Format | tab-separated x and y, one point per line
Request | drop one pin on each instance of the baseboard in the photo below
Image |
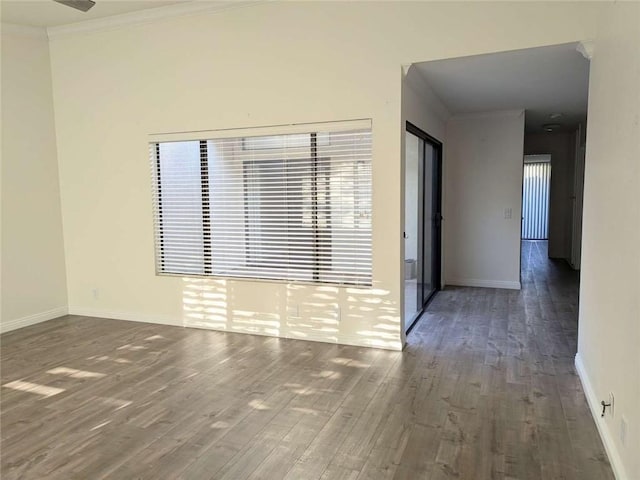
132	317
33	319
340	339
476	282
605	434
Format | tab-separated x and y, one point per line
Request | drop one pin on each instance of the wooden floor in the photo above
485	389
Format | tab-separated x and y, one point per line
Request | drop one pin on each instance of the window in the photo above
293	206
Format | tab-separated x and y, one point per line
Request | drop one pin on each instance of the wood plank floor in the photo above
485	389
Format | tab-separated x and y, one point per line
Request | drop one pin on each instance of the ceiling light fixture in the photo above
550	127
556	116
82	5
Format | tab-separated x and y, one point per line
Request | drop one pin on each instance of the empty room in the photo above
320	240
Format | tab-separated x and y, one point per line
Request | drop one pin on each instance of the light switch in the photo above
507	213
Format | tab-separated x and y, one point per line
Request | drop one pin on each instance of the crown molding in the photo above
147	16
24	30
586	48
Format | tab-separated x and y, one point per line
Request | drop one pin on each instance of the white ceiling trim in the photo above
144	16
586	48
25	30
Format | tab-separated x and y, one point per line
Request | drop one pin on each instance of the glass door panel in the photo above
428	284
413	159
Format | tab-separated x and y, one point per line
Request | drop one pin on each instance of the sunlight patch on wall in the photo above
204	303
336	314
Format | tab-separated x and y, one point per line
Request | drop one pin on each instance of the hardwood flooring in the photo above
486	389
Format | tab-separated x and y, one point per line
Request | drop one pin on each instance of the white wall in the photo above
425	110
269	64
483	178
422	107
33	265
578	195
561	146
609	323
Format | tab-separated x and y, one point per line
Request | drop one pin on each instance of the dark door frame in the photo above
436	218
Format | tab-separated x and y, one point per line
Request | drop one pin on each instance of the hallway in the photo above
504	359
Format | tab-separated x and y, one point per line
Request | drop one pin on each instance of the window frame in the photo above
205	188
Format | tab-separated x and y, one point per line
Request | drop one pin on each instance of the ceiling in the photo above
543	81
47	13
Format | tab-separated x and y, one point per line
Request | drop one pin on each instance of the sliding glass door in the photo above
422	220
413	168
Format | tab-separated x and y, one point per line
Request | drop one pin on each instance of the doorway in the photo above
422	220
536	187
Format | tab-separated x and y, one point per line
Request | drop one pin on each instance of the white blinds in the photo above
535	200
293	206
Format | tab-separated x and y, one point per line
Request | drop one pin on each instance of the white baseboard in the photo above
132	317
33	319
476	282
605	434
340	339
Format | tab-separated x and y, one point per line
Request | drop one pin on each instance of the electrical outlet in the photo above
508	213
613	403
623	431
294	310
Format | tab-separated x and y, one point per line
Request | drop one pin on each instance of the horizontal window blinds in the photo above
294	207
535	201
